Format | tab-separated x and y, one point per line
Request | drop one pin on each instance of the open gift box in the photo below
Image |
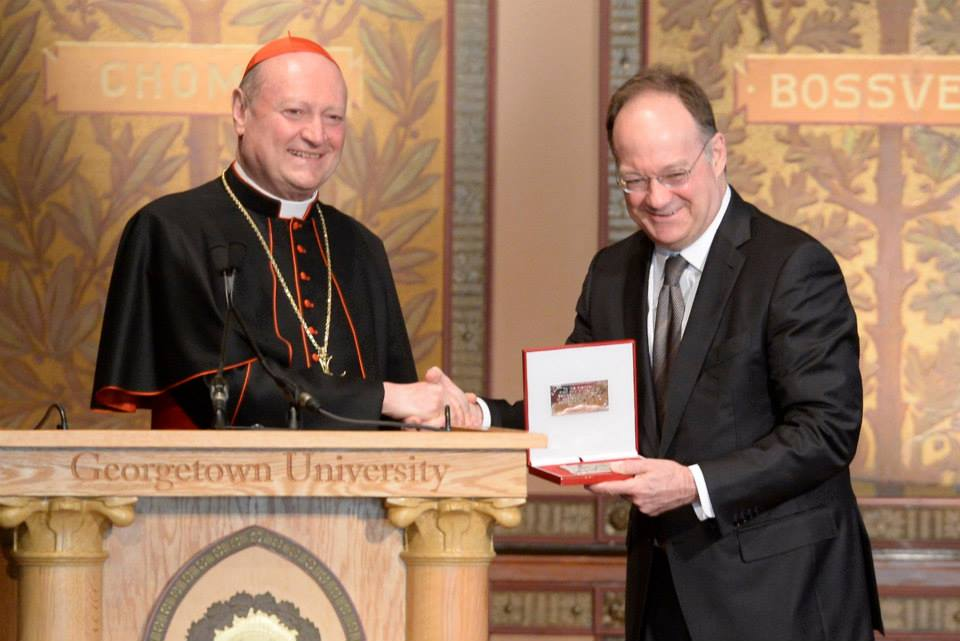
584	398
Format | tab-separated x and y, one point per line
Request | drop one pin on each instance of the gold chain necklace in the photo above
322	356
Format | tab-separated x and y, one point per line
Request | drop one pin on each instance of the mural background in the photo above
883	197
70	179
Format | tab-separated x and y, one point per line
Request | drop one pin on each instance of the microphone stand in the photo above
219	390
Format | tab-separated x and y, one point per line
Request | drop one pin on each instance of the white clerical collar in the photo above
696	252
288	208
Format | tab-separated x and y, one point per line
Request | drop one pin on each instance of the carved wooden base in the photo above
58	554
448	546
58	548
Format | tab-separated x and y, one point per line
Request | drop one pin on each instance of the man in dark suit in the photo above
744	524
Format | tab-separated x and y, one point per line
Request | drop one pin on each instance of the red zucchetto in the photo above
286	44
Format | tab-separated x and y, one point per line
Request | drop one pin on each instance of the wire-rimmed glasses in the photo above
673	180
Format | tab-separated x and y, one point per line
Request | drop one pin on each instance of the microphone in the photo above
307	401
61	410
235	254
226	259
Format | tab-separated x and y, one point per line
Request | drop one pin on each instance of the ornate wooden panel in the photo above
569	552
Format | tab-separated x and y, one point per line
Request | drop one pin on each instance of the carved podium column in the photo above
448	546
58	548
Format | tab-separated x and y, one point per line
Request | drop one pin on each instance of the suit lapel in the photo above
720	273
635	324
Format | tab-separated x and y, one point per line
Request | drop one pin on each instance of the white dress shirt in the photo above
696	255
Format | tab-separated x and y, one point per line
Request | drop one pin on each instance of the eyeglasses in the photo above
673	180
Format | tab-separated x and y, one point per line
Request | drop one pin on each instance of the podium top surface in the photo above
267	439
279	463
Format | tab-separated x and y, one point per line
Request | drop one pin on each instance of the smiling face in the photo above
291	128
655	135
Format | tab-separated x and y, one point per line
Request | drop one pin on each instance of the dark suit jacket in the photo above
765	395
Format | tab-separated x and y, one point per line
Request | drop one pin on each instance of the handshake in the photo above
423	402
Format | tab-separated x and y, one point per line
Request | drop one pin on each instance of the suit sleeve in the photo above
814	388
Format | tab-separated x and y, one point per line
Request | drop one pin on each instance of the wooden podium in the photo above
367	536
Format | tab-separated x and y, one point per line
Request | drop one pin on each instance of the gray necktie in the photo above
666	331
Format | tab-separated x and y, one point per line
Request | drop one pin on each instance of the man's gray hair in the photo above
250	86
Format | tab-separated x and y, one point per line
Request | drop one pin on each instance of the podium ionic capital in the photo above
62	529
451	529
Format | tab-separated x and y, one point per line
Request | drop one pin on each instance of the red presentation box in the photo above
584	398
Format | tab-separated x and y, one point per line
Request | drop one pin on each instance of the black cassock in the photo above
166	308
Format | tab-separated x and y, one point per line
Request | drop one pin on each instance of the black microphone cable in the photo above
304	399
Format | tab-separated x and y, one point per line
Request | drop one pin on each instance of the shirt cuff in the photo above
485	425
702	507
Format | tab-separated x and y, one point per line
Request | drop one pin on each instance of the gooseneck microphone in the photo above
226	260
61	410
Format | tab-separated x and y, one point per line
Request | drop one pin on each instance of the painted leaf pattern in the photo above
940	30
138	17
14	45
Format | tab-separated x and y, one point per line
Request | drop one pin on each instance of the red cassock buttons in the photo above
297	224
301	249
308	303
304	276
313	330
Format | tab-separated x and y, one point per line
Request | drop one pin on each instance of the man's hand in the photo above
464	411
657	486
402	400
423	403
